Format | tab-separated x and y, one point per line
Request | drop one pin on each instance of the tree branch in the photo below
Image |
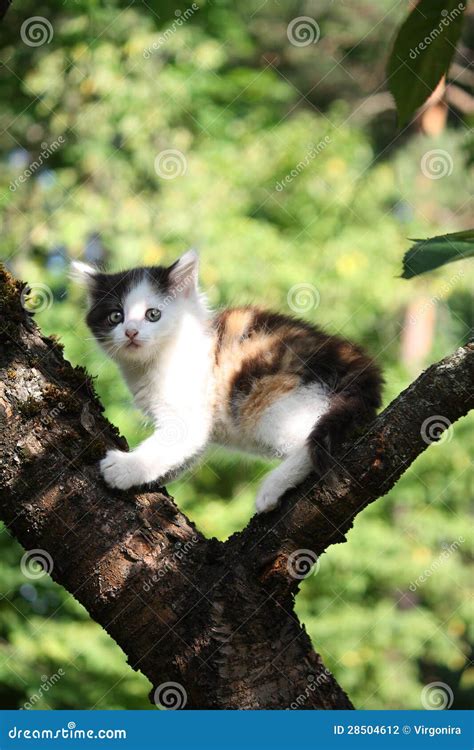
215	617
318	515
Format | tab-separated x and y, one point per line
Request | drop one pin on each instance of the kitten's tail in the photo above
354	403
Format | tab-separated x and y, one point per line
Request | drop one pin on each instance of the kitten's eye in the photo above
114	318
153	314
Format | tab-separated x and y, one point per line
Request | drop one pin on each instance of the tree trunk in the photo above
210	623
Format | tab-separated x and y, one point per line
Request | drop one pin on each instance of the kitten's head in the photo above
134	313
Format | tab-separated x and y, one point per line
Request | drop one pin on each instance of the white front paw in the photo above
122	470
268	497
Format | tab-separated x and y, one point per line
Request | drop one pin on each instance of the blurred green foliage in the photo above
244	107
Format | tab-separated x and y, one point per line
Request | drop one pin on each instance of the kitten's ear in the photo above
183	274
82	274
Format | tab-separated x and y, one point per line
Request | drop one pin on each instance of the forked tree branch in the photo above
216	618
316	516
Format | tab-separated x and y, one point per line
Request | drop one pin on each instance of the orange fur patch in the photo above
265	391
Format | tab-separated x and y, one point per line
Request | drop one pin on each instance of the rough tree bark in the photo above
216	618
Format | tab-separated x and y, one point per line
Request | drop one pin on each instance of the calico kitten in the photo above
245	378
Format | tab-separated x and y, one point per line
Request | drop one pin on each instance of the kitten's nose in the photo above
131	333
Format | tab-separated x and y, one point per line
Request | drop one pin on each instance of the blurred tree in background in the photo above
130	132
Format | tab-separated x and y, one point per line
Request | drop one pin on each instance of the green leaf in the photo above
425	255
422	52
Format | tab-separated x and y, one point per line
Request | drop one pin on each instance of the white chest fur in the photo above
180	379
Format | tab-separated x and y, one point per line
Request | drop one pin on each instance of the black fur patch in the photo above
108	291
